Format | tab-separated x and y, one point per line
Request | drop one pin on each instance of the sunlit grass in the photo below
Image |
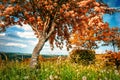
57	70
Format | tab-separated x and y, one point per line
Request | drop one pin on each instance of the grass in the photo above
57	70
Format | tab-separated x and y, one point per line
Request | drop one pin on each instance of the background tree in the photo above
52	20
112	37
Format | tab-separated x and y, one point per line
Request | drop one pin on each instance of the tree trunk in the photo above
35	54
113	44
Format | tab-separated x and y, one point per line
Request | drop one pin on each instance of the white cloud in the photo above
2	34
4	38
26	27
16	45
56	51
32	42
26	34
99	51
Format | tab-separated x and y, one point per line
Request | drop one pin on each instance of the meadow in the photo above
57	70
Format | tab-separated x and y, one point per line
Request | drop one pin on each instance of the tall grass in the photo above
56	70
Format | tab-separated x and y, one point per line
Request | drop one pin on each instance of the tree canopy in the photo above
66	16
56	20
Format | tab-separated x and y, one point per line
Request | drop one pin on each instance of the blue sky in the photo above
22	39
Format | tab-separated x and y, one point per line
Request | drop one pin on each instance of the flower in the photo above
56	77
106	78
84	78
116	72
51	77
26	77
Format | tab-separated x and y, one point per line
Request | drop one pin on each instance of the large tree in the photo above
52	20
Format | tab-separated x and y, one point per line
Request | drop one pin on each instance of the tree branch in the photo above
51	30
111	10
46	24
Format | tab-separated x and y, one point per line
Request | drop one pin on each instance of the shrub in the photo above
82	56
112	59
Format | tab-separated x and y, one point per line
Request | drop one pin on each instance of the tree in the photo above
91	35
52	20
115	38
112	37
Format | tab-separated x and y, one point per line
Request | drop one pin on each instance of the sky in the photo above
22	39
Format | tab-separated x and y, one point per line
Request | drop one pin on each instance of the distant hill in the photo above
13	56
21	56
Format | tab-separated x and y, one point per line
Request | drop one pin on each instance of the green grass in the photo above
56	70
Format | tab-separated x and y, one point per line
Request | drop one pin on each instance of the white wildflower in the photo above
26	77
51	77
116	72
84	78
106	78
56	77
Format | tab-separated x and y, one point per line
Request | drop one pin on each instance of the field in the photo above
57	69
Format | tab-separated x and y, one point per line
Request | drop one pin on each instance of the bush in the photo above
82	56
112	59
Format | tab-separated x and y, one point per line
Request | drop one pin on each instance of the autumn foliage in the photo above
112	37
57	20
112	59
83	17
